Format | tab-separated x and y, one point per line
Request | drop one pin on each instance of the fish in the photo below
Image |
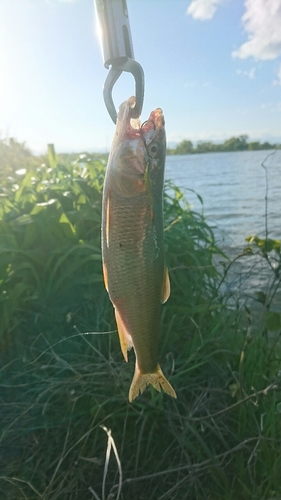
134	268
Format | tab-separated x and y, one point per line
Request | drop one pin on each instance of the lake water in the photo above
233	188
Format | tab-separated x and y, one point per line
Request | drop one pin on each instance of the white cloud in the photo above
203	9
250	74
262	23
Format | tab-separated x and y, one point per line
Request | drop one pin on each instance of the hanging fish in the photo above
134	269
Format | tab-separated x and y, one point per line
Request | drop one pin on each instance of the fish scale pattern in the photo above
136	268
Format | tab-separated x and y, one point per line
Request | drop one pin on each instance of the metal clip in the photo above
117	49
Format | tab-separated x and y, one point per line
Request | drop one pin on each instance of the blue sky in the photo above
213	66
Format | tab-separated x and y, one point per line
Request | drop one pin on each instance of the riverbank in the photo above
239	143
68	430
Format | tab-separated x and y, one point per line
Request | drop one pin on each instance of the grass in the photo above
67	430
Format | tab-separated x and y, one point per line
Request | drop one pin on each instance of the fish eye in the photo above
153	149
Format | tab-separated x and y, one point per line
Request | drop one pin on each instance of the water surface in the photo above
233	187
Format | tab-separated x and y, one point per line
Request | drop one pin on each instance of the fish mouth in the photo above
155	121
131	127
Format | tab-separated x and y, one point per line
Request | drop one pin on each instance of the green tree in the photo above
236	143
254	145
267	145
184	148
206	147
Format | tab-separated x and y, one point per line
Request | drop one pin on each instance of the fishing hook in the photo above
117	50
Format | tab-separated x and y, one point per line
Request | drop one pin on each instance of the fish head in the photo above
154	138
138	152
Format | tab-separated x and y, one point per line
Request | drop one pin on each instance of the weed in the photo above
67	428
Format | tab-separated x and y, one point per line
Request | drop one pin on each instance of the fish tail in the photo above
156	379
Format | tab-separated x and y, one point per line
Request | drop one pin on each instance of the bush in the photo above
68	431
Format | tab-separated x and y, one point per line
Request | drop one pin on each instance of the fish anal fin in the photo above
166	288
156	379
125	338
105	276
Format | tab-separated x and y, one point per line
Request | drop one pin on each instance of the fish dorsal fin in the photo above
166	289
125	338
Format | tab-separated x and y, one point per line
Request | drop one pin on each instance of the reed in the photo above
67	429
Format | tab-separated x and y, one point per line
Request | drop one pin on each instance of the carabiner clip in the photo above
133	67
117	49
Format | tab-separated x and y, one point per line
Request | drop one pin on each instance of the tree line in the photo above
239	143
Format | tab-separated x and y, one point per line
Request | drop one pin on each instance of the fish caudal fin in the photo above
156	379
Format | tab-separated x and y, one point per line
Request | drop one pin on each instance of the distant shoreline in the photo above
169	152
239	143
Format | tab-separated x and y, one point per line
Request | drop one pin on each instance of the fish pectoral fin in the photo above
105	276
125	338
166	288
156	379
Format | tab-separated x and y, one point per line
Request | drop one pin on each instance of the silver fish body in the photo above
134	267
